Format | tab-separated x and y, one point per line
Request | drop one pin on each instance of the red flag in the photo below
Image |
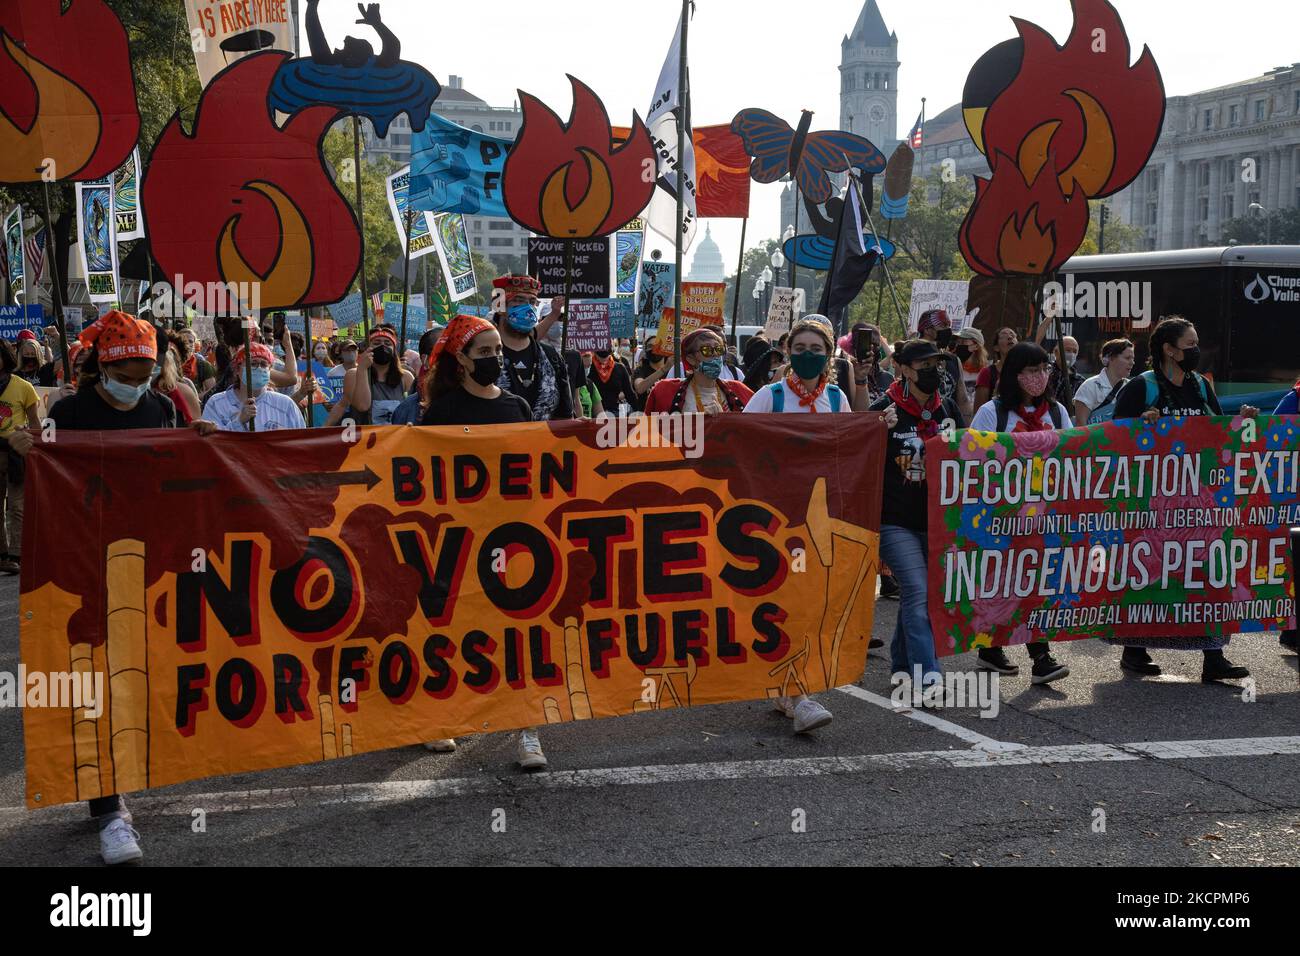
721	170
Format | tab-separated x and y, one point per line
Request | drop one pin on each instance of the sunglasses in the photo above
712	351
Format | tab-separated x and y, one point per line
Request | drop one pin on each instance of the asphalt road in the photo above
1100	769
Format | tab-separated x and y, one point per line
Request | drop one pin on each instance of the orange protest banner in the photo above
261	601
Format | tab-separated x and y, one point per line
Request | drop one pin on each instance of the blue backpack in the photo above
1153	389
833	395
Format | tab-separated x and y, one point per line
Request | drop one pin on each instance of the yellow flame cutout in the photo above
67	138
585	219
290	275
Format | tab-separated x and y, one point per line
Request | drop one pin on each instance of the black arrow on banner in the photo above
330	479
605	469
180	486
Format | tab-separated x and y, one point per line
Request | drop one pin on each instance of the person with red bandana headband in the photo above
113	393
703	390
935	326
267	409
533	370
463	390
919	413
373	390
1024	405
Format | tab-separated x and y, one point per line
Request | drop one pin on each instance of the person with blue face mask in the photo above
703	390
263	410
532	369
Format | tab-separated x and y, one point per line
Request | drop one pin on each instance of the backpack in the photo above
1106	410
1153	389
833	395
1004	414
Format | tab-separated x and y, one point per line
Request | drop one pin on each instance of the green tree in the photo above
1278	228
383	245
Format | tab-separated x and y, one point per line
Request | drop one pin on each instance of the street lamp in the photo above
1268	223
789	234
758	294
768	277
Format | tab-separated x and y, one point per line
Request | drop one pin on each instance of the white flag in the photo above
668	102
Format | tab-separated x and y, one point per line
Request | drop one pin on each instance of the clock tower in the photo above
869	80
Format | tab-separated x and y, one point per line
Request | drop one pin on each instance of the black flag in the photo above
852	262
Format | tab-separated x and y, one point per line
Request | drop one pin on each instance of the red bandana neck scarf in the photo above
927	418
807	399
1031	419
604	367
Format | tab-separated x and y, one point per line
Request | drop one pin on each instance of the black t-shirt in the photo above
459	407
620	383
522	366
905	502
87	411
1184	400
950	377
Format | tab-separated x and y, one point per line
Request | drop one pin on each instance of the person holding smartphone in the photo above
870	379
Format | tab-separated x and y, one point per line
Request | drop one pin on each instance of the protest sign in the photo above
628	245
420	235
781	313
347	313
656	292
433	582
705	299
454	169
589	325
665	335
223	31
97	234
949	295
622	319
454	255
126	199
590	267
14	266
1180	528
15	318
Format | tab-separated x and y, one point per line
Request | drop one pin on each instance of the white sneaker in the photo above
446	745
782	705
530	751
809	715
119	843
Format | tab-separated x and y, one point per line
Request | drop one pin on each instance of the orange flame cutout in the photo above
571	181
1019	229
67	93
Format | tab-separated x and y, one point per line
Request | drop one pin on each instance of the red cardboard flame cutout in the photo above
1014	229
569	181
1080	110
67	93
241	201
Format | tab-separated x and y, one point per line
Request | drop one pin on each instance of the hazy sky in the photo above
785	56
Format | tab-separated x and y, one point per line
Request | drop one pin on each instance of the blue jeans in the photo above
904	551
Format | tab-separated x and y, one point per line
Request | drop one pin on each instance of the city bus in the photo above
1244	301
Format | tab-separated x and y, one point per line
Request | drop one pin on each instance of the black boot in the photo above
1289	640
1137	660
1217	668
995	659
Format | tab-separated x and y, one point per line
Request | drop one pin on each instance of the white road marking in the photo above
924	717
397	791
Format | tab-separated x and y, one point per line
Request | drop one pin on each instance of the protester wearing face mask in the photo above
612	382
533	370
1173	387
935	326
30	358
866	352
1024	405
762	364
113	393
1094	401
463	389
173	384
373	390
809	386
919	413
986	386
194	366
1069	381
233	409
703	391
968	346
651	369
344	352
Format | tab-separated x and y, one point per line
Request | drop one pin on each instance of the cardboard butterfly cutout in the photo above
572	180
354	79
67	93
1060	125
240	200
778	150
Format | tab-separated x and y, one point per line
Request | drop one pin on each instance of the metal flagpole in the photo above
884	262
735	305
361	222
568	296
406	274
682	94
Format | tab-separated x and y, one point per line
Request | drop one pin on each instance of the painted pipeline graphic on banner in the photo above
337	598
454	169
1176	529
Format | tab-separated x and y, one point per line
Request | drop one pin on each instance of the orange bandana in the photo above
807	399
260	351
604	367
119	336
458	334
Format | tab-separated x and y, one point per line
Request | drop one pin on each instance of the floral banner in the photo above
1176	529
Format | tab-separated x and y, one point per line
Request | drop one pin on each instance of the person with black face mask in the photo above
934	326
462	389
1173	387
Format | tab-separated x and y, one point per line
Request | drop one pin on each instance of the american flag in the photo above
916	138
35	246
